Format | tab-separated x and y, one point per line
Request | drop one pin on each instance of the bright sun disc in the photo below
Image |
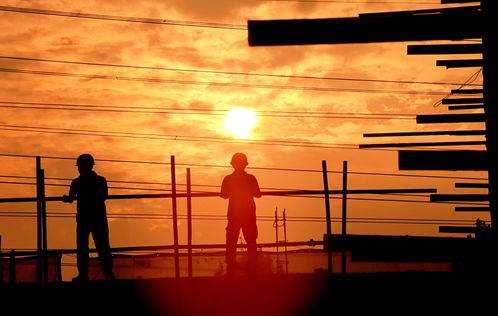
240	122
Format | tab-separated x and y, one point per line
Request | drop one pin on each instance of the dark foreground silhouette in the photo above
416	293
90	191
240	188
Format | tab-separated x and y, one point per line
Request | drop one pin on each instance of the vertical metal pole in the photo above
276	236
43	203
344	211
59	265
12	267
189	222
175	219
327	213
285	247
39	226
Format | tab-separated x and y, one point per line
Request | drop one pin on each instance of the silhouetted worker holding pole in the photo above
240	188
90	190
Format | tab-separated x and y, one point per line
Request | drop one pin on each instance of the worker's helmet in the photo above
85	160
239	158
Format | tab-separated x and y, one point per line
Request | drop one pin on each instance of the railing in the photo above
42	247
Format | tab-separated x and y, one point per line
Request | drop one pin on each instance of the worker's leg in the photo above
232	234
250	231
82	238
100	235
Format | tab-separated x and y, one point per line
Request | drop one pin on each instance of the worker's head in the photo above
239	161
85	163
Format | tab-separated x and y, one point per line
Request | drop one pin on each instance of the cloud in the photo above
217	9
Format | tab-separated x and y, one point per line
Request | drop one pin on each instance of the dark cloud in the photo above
65	41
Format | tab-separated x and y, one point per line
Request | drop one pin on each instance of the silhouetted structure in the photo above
419	25
240	188
90	190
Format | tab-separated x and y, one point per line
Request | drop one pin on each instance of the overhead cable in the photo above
117	18
219	83
241	73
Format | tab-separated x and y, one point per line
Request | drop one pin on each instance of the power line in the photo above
105	17
201	111
170	137
116	181
224	140
224	111
217	186
67	185
110	181
220	84
155	216
240	73
153	183
352	221
298	195
467	82
167	190
249	167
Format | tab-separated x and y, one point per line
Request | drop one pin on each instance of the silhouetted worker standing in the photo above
90	190
240	188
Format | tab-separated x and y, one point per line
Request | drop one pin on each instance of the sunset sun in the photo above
240	122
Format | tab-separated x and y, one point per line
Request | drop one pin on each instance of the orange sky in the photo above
210	49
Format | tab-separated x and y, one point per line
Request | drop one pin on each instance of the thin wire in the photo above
468	82
195	139
223	215
361	116
350	221
203	111
249	167
221	72
94	16
160	183
218	84
113	181
100	133
165	184
172	137
259	217
299	196
377	199
67	185
167	190
261	220
118	181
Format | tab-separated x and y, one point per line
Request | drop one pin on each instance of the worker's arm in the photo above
224	189
257	191
72	194
103	192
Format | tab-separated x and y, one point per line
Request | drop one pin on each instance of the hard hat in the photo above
85	159
239	158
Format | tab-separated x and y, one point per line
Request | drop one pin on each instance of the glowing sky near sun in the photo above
240	122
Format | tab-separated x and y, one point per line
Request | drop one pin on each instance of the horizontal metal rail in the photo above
310	243
217	194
